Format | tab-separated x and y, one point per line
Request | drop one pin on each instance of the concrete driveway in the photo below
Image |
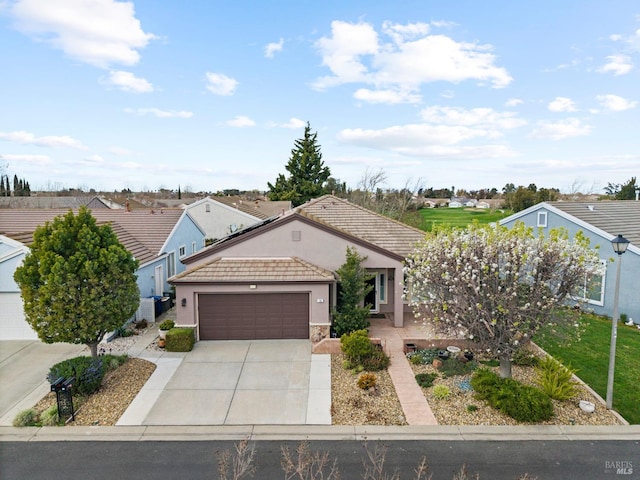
24	365
236	383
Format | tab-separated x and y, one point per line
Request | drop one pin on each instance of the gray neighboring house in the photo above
600	221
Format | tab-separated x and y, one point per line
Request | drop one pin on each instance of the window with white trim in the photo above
193	247
592	289
182	251
542	219
382	287
171	264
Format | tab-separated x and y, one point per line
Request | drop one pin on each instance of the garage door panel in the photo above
253	316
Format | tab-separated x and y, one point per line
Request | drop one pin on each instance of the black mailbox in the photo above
62	386
56	385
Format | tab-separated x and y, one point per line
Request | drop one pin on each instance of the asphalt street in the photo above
157	460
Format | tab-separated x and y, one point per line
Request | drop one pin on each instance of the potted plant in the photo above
164	326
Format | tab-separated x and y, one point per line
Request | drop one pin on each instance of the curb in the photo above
321	432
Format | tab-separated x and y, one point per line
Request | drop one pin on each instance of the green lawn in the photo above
460	217
590	356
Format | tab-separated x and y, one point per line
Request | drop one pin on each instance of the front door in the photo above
372	296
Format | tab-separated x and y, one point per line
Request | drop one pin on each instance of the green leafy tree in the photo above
495	285
624	191
78	282
350	313
307	173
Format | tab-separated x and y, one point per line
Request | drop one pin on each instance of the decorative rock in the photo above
437	363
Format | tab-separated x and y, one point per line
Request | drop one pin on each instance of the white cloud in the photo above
271	48
486	118
513	102
221	84
241	121
571	127
616	103
401	33
293	123
423	140
27	138
412	137
159	113
119	151
386	96
562	104
97	32
37	160
342	51
128	82
355	54
617	64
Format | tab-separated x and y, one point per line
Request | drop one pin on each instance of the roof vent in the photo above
591	208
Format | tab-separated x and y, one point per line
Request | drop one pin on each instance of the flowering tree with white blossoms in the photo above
497	286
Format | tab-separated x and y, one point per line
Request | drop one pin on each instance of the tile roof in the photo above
613	217
289	269
140	231
258	208
50	202
359	222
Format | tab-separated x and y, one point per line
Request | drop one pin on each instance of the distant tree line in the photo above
21	187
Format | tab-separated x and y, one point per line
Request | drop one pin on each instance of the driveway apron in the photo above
24	365
238	383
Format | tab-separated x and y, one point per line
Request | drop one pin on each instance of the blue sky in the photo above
211	95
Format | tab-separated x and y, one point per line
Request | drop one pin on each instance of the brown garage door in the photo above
253	316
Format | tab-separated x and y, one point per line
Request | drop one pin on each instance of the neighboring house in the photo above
13	324
483	205
276	279
93	202
219	220
157	240
600	222
257	208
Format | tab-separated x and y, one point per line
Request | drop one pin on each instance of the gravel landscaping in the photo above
350	405
461	408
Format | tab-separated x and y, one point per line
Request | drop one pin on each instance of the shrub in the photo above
111	362
141	324
484	381
441	391
356	346
524	358
49	417
555	379
180	340
472	408
377	361
524	402
26	418
367	381
88	373
423	356
521	402
167	324
452	367
425	380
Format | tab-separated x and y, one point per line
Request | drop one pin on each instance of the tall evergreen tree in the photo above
307	173
78	282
